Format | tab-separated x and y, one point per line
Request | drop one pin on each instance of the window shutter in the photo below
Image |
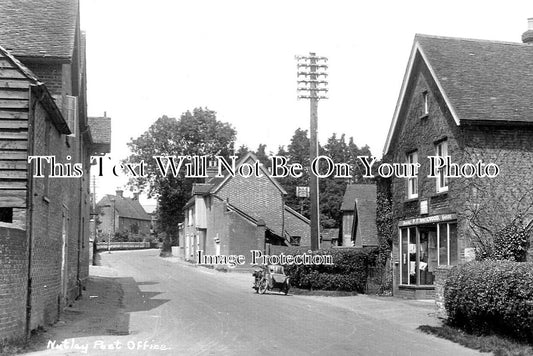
70	110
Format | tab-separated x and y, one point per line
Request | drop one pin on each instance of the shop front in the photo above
424	244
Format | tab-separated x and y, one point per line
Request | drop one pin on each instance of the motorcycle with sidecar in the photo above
270	277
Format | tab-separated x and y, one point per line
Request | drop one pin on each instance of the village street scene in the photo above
229	178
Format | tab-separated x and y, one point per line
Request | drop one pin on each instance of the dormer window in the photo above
425	100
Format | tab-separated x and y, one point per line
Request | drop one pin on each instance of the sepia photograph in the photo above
266	178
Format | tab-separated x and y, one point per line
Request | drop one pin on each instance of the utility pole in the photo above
313	87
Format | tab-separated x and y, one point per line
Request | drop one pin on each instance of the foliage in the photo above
196	134
512	242
331	188
125	236
499	212
384	224
349	271
492	296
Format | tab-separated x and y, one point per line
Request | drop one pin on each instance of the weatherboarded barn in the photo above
43	220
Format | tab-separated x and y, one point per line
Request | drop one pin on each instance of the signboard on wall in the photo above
428	220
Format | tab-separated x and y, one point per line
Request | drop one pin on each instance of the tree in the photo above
196	133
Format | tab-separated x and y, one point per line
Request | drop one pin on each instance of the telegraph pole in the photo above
313	87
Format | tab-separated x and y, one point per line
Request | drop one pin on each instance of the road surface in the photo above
188	310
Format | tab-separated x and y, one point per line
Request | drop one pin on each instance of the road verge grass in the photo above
498	345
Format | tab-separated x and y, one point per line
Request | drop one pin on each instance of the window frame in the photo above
442	182
412	182
407	235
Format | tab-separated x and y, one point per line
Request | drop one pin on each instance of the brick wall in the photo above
50	74
60	226
257	196
298	227
13	282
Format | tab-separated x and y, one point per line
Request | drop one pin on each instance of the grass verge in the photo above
498	345
322	293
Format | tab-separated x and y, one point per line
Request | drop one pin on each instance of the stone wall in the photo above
441	275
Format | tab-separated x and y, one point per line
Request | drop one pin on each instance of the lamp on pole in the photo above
313	86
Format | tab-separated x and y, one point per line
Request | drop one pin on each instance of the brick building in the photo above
233	215
125	215
359	216
470	100
44	220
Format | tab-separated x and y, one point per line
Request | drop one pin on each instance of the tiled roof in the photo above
125	207
362	197
43	28
484	80
362	192
201	188
100	129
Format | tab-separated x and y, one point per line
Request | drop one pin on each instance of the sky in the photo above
146	59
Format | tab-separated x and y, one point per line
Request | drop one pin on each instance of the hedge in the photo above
349	271
492	296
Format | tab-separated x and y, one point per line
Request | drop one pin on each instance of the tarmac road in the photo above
188	310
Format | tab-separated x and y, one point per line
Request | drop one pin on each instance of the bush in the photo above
349	271
492	296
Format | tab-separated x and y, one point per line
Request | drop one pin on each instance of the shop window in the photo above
442	181
423	248
412	182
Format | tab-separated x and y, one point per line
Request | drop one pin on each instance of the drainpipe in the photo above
29	209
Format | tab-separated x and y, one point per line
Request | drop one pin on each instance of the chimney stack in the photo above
527	37
120	193
211	170
136	196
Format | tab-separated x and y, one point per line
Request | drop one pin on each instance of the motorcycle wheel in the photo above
286	288
263	286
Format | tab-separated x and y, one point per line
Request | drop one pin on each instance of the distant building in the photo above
124	215
44	221
233	215
359	216
329	238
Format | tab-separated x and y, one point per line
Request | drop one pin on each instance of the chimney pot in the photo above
120	193
527	37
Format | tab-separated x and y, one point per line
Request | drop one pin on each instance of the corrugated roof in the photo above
43	28
484	80
100	129
125	207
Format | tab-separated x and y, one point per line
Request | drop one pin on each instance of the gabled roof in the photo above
125	207
42	29
219	182
361	199
361	192
481	81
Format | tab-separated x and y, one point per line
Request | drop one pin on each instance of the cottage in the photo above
233	215
359	216
119	214
469	100
44	231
